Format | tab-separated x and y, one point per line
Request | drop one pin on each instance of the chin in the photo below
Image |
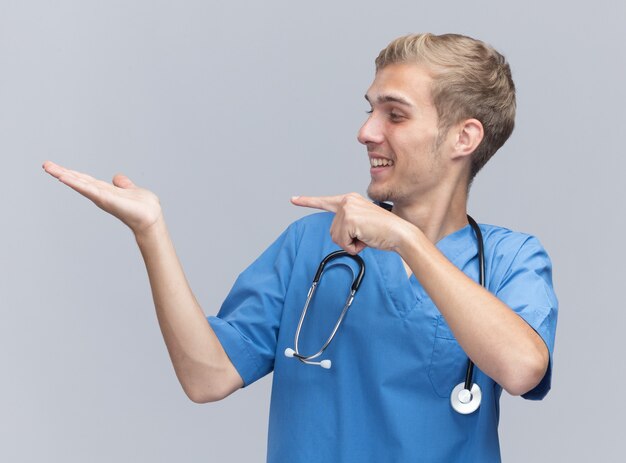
380	195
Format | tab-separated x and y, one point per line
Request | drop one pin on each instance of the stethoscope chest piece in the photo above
464	401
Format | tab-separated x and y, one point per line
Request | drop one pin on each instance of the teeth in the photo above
379	162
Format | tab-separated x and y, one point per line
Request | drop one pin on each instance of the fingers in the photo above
83	186
342	230
345	235
326	203
53	169
122	181
350	245
79	181
57	171
356	247
358	223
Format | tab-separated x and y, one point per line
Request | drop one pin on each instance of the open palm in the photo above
136	207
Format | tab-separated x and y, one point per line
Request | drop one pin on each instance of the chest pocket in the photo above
448	362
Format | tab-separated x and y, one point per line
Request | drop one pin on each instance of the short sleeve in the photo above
527	288
247	323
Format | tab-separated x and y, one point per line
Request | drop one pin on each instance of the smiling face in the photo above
402	136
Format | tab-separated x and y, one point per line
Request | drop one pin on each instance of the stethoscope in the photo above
465	397
309	359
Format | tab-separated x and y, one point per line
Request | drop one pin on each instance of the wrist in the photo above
151	234
406	237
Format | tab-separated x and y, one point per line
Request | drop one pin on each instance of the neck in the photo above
438	214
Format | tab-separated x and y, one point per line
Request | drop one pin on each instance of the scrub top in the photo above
394	359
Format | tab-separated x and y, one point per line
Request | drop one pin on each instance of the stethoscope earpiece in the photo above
326	364
308	359
464	401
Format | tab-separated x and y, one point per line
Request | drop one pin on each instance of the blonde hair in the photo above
470	80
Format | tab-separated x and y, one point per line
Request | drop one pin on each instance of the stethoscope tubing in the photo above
469	375
353	289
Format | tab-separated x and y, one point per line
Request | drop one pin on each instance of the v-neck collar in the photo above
406	292
456	243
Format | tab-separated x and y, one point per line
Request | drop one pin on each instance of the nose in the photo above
371	131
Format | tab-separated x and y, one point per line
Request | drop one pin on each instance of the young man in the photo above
441	106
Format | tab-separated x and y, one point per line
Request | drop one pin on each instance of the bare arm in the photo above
202	367
497	340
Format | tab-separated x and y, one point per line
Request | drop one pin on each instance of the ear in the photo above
469	134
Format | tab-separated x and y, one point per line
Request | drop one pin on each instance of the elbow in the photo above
197	398
204	383
202	397
526	374
205	394
210	386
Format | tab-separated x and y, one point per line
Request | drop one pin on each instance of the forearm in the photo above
202	367
499	341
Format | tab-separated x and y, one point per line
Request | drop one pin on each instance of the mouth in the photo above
379	167
380	162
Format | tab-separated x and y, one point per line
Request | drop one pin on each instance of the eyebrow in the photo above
390	99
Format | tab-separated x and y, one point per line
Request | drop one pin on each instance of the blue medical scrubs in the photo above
394	360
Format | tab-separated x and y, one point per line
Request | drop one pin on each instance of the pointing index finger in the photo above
325	203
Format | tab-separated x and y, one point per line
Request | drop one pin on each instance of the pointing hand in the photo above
358	222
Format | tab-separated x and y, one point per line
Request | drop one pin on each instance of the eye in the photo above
369	111
395	117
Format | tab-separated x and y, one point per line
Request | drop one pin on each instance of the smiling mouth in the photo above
380	162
